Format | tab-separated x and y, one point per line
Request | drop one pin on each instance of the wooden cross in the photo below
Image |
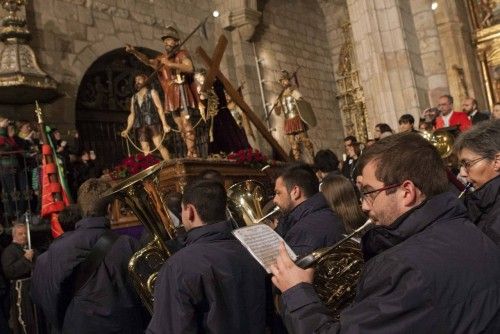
214	71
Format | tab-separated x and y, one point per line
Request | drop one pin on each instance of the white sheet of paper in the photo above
263	244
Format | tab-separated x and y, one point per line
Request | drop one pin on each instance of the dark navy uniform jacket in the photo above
107	303
212	285
484	208
311	225
431	271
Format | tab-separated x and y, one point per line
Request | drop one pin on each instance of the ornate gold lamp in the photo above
22	81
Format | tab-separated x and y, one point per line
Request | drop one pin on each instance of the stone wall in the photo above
69	35
405	51
293	33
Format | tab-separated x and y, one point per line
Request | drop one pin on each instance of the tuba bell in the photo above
442	140
140	193
246	200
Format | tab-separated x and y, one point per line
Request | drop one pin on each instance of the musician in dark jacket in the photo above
212	285
17	263
479	153
106	302
308	222
428	269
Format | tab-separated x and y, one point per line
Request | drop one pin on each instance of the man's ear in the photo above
496	163
190	212
411	195
296	193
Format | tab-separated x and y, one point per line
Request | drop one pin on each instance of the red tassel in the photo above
55	226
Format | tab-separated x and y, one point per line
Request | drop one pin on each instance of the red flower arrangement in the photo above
133	165
248	156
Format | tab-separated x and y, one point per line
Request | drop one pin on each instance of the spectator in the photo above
17	263
352	152
495	114
406	123
325	162
426	126
430	114
469	106
382	130
449	117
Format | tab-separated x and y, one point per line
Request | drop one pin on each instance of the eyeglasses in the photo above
369	196
467	164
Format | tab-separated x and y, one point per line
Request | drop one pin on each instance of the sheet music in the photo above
262	243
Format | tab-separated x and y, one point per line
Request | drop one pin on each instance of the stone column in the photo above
459	57
430	49
387	50
240	17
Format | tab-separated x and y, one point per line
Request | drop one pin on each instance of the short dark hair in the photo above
301	175
407	119
211	174
209	199
383	127
449	97
92	198
326	161
407	156
351	138
483	139
69	216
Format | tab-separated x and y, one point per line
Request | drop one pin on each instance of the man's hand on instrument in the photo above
28	254
286	274
124	133
166	128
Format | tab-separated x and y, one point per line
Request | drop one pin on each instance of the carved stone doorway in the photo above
102	104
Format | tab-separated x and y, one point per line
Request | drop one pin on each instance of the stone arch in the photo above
102	102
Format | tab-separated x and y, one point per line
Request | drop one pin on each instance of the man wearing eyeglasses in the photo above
479	154
428	268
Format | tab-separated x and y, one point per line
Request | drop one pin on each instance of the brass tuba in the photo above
442	140
140	193
246	202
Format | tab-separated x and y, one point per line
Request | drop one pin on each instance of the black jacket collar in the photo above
485	196
312	204
440	207
216	231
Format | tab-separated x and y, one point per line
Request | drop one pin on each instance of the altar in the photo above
178	172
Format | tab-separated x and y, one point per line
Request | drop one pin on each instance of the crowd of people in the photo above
20	162
432	262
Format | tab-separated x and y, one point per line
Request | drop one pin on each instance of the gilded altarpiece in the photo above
349	91
485	19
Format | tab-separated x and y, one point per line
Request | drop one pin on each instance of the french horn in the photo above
337	270
140	193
